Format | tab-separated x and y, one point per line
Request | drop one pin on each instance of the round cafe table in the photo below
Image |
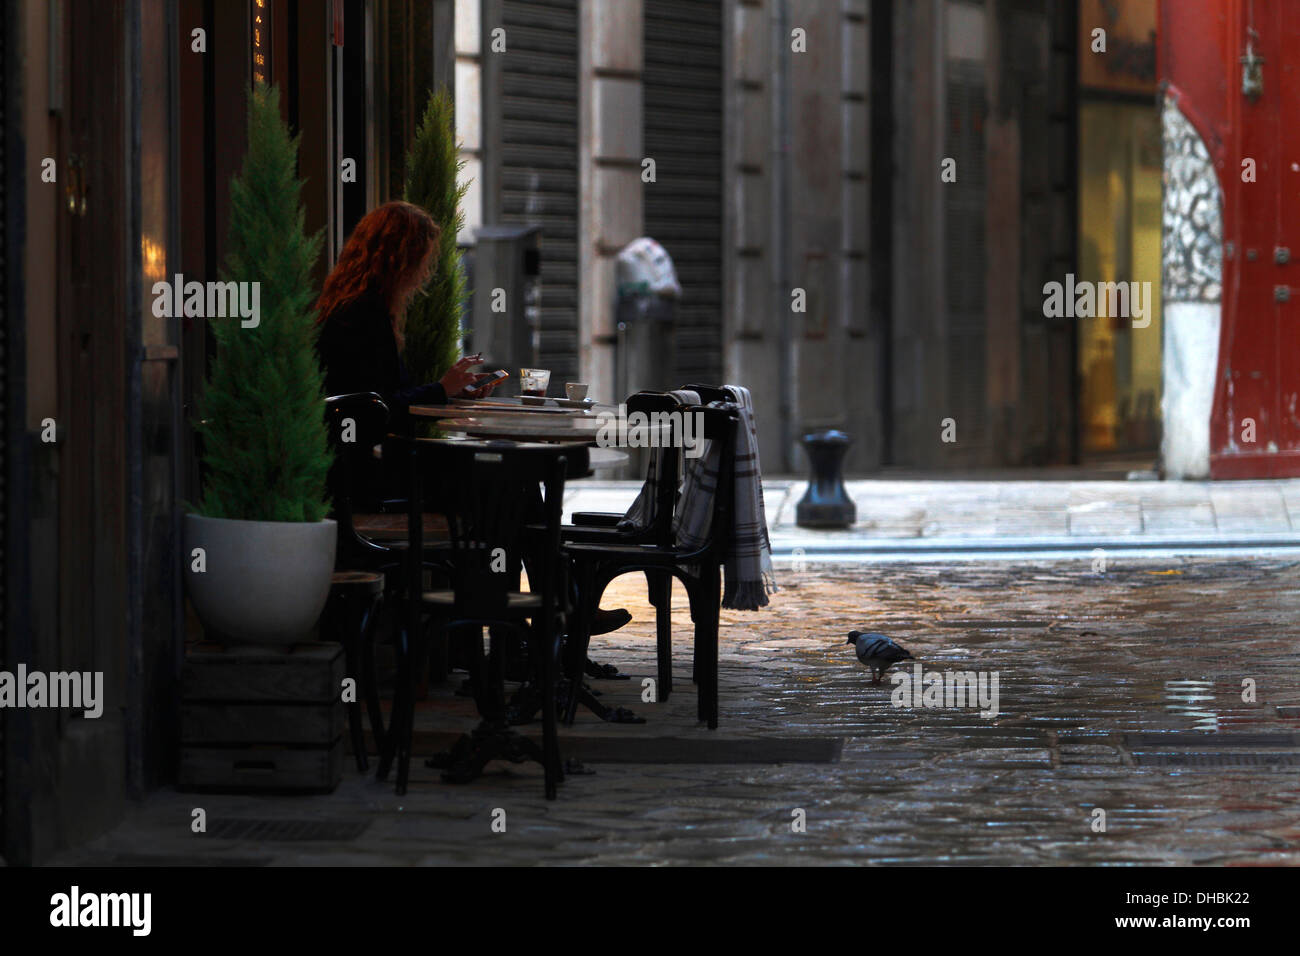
525	423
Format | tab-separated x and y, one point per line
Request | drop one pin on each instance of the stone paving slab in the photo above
1095	670
1162	518
1033	513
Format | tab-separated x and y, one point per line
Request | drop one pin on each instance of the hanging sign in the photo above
261	37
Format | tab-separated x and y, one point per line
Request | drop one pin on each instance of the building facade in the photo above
123	124
864	199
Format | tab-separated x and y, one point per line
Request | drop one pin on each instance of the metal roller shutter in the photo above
967	261
682	108
539	159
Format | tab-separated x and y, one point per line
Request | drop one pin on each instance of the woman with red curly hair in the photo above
362	312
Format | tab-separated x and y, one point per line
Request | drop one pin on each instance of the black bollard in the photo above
826	504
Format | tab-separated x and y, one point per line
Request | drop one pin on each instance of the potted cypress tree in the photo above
259	546
433	165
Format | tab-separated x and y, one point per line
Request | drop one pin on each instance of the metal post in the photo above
826	504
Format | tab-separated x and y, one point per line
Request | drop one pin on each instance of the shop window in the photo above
1119	242
1119	164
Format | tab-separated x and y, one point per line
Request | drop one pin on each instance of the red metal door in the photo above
1287	226
1254	428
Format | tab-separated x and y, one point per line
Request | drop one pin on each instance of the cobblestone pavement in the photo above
1120	691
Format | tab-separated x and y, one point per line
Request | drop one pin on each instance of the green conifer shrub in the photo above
433	165
266	446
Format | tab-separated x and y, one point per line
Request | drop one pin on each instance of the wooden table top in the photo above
462	407
518	428
512	420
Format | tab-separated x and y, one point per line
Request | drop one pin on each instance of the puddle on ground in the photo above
1191	699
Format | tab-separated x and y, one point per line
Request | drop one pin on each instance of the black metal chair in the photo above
350	615
595	564
598	527
356	422
488	493
659	584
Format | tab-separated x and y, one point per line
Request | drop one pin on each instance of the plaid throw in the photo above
641	515
748	565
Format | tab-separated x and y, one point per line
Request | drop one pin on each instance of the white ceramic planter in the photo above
265	582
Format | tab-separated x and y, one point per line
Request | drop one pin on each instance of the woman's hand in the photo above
459	377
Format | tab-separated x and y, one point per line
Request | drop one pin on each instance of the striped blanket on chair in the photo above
748	565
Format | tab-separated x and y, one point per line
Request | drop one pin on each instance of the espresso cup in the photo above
575	391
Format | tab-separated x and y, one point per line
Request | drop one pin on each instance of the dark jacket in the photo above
358	351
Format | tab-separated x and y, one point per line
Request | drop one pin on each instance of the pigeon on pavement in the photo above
877	652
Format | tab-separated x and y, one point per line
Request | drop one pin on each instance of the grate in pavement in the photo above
184	859
988	625
656	750
1201	739
1215	760
713	750
287	830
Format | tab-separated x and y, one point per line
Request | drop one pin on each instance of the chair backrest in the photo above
489	492
665	464
719	423
712	393
357	422
721	393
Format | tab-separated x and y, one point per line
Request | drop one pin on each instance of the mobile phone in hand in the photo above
496	377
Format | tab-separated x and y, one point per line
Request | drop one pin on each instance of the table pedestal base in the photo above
465	761
473	751
527	701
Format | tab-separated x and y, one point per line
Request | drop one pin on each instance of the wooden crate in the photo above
261	768
262	720
305	673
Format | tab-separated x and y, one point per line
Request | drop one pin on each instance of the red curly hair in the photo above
393	247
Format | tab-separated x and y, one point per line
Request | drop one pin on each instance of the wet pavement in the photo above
1119	692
